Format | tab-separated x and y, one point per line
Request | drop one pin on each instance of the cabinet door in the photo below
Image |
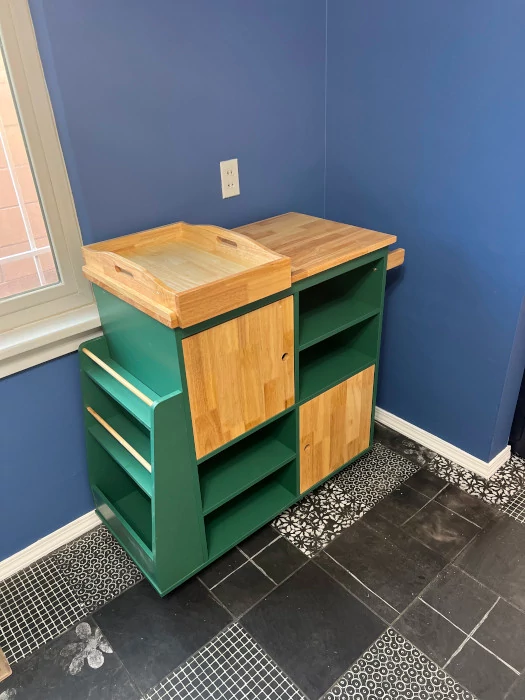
239	374
334	427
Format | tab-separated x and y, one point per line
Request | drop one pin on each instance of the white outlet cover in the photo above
230	178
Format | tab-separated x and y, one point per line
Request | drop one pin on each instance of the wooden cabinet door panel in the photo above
334	427
239	374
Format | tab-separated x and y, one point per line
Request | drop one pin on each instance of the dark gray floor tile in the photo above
482	673
152	635
243	588
313	628
391	564
503	632
459	598
280	559
470	507
430	632
426	482
497	559
258	540
400	505
222	567
441	529
365	595
80	664
409	449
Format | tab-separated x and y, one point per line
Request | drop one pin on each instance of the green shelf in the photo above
248	512
331	361
339	303
232	472
322	322
141	476
134	511
118	392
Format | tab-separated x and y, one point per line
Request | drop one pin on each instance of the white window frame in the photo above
48	321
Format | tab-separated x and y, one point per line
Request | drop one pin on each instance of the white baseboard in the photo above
442	447
47	544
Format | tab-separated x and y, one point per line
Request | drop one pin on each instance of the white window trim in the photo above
51	321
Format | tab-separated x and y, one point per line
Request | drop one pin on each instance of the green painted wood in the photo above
248	462
338	303
134	469
382	264
140	344
331	361
126	398
179	543
239	518
190	513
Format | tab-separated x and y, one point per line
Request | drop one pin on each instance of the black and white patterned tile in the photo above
501	489
232	665
96	568
319	517
36	605
392	668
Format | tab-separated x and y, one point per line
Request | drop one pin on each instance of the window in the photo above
43	295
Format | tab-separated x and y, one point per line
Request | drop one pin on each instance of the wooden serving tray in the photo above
183	274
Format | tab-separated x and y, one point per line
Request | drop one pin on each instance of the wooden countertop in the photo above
314	244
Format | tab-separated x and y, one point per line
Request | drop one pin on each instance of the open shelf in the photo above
341	302
119	393
136	438
237	519
252	459
115	487
333	360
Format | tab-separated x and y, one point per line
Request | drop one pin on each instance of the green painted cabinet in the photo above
176	502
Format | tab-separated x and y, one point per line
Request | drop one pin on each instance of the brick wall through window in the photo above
26	260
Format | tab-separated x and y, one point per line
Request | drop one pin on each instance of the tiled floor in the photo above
401	577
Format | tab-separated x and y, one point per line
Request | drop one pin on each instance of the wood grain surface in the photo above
239	374
334	427
314	244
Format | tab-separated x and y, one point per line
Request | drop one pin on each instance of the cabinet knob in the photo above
306	448
284	356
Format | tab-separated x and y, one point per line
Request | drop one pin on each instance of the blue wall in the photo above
426	111
148	98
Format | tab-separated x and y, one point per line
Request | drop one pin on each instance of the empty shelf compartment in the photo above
248	512
248	461
329	362
339	303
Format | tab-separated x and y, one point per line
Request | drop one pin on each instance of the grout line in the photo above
359	581
443	616
470	635
231	572
426	504
497	657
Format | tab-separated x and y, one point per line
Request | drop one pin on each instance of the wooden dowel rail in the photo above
117	376
119	439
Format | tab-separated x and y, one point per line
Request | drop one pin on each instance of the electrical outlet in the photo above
230	178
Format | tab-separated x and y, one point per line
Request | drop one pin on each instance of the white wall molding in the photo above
442	447
47	544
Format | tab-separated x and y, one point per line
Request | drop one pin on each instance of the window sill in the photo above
53	337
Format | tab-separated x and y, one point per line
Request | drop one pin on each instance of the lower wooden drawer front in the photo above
335	427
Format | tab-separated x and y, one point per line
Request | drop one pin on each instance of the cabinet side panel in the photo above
240	374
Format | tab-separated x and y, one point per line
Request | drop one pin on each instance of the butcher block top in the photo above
314	244
182	274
